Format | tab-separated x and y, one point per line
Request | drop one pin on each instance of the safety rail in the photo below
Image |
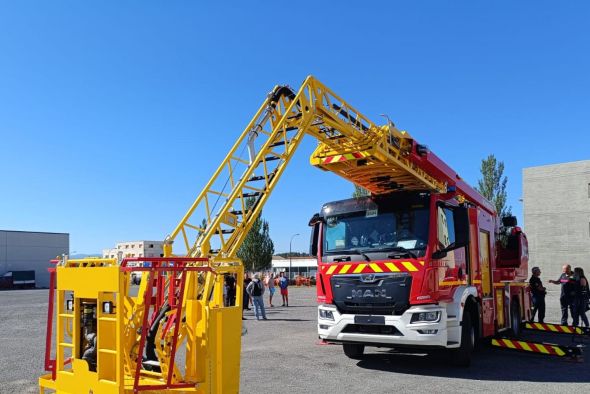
49	362
172	291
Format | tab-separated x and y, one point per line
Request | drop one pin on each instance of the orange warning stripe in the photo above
370	267
554	328
532	347
344	157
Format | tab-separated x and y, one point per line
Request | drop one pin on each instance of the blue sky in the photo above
114	115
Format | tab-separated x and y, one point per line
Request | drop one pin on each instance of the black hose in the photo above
150	340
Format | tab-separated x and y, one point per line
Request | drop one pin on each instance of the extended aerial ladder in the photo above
136	339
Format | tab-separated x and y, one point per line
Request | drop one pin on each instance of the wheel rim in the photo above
515	318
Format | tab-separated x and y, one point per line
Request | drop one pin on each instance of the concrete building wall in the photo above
556	206
24	250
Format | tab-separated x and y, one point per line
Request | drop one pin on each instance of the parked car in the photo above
18	280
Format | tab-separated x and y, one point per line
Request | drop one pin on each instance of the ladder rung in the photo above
108	351
256	178
64	344
272	158
279	143
354	121
107	319
380	178
66	315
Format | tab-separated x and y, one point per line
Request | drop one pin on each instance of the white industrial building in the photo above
31	250
305	266
135	249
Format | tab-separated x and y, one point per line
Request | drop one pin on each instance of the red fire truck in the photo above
419	269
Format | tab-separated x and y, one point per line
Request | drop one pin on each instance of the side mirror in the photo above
315	222
461	225
316	218
439	254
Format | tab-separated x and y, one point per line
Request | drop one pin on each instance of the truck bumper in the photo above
396	330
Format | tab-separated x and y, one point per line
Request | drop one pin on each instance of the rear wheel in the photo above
353	350
515	318
462	355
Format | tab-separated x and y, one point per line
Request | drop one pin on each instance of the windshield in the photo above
371	230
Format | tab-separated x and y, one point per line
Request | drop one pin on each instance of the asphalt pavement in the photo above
283	355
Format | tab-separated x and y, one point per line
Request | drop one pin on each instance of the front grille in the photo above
387	308
377	294
371	329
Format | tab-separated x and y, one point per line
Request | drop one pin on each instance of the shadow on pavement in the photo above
487	364
274	319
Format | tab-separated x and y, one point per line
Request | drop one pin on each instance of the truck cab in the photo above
403	270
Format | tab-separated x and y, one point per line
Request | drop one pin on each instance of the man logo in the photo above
369	293
368	278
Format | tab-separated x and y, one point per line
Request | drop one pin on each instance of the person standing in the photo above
246	300
284	285
538	292
270	283
581	301
230	290
256	291
568	292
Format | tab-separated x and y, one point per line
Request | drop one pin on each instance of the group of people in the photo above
574	298
254	290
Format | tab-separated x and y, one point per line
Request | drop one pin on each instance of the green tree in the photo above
203	226
257	249
493	184
360	191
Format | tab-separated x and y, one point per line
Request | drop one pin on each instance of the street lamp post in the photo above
291	242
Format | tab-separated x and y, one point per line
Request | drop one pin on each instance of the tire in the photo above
515	319
461	356
353	350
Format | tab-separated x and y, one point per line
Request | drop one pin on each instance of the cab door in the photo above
483	228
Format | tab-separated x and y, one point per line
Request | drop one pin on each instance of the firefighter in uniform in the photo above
538	292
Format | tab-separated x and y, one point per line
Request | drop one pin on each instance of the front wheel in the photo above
353	350
461	356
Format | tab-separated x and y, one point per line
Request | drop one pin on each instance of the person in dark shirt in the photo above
230	286
581	301
568	292
246	303
538	292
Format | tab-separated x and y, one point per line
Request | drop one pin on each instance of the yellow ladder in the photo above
350	145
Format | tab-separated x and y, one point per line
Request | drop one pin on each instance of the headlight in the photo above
326	314
425	317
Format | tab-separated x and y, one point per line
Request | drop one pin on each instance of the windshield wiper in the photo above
400	249
354	251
